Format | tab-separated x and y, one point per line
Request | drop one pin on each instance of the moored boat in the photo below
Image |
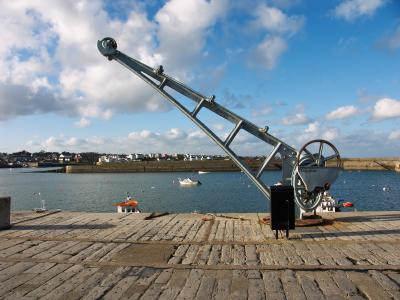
129	205
188	182
203	172
330	204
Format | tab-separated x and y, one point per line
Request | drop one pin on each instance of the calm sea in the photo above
220	192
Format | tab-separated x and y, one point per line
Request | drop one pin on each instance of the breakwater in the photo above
376	164
167	166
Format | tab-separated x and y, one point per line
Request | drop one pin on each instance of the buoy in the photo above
384	188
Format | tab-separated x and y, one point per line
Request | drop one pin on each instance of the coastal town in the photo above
52	159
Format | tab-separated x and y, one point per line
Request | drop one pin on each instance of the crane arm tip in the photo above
107	47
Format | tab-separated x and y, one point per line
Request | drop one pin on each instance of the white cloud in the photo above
17	100
175	134
330	134
51	45
342	112
219	127
145	141
183	28
386	108
395	135
392	42
315	130
279	27
285	3
268	52
352	9
73	144
296	119
276	21
261	111
83	122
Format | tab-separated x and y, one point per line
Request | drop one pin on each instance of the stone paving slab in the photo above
73	255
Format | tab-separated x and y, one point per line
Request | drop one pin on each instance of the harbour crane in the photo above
309	172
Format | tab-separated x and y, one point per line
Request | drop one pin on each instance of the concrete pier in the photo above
73	255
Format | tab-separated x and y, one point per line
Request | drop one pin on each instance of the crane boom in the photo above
158	80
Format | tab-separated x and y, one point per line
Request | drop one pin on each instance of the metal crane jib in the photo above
311	170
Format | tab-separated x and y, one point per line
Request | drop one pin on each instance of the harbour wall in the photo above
167	166
392	164
220	166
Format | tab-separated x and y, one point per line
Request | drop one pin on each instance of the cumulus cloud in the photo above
395	135
285	3
82	123
261	111
315	130
342	112
366	139
73	144
392	41
219	127
353	9
16	99
276	21
181	35
386	108
269	51
172	140
51	46
279	27
232	100
296	119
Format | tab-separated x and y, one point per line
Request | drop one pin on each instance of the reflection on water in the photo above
219	192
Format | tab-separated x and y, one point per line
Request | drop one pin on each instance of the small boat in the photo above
188	182
330	204
43	202
130	205
203	172
41	209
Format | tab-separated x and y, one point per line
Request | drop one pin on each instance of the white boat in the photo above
43	202
203	172
130	205
330	204
188	182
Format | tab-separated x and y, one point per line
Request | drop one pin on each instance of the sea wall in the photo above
166	166
221	166
372	164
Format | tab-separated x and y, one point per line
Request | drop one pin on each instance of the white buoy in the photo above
384	188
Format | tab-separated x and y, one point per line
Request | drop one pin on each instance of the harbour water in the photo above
219	192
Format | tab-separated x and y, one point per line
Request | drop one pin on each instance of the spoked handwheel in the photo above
316	153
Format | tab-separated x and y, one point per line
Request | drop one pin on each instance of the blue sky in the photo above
306	69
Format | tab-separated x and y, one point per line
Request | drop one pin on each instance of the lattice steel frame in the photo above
158	80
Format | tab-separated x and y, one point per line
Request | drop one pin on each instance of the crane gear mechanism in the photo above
309	173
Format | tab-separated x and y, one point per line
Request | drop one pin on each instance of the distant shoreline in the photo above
392	164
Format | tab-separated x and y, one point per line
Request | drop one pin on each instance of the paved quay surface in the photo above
73	255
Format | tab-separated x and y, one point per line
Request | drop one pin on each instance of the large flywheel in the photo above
317	166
